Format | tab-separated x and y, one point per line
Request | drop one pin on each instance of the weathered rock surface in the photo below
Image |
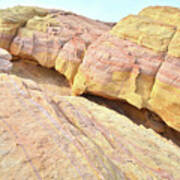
137	61
5	64
45	136
58	40
134	61
12	19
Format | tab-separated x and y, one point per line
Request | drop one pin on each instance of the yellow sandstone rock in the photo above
137	61
166	91
163	14
145	32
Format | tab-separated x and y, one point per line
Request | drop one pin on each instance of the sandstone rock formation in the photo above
132	62
47	136
52	82
48	80
58	40
137	61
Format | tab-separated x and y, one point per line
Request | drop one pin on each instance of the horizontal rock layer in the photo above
137	61
45	136
57	40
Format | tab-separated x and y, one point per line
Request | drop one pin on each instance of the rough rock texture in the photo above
45	136
12	19
58	40
137	61
5	64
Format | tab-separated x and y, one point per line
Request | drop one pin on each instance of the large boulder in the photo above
46	136
57	40
137	61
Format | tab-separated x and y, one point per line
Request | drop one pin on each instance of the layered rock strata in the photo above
57	40
52	83
45	136
137	61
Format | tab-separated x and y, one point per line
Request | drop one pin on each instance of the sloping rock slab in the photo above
53	137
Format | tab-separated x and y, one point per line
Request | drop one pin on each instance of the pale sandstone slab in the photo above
50	137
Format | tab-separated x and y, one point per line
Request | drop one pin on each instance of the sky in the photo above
105	10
